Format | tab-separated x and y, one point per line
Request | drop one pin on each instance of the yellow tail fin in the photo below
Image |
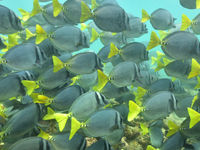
40	34
36	8
57	8
102	81
144	128
153	60
49	115
25	15
173	128
149	147
94	4
84	26
160	66
42	99
159	55
113	50
57	64
145	16
194	100
195	69
197	4
44	135
75	79
85	12
194	117
75	126
154	41
198	83
139	95
186	22
12	40
30	86
134	110
162	34
29	34
167	61
95	35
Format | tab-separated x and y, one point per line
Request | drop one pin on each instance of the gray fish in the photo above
17	127
161	19
9	22
156	134
100	145
124	74
10	86
86	104
24	57
178	68
111	18
175	142
69	39
181	45
190	4
64	99
102	123
118	39
83	63
112	91
159	105
134	51
137	28
164	84
32	143
61	142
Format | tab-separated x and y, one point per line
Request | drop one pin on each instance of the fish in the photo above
190	4
34	143
111	121
67	38
81	63
161	19
25	56
10	23
177	45
134	51
194	23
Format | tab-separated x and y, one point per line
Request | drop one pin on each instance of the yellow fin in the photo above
25	15
194	117
154	41
197	4
36	8
149	147
198	83
159	54
195	69
57	64
75	79
49	115
44	135
94	4
113	50
57	8
194	100
29	34
75	126
173	128
139	95
85	12
62	120
30	86
12	40
167	61
95	35
144	128
160	66
153	60
102	81
42	99
145	16
83	26
134	110
162	34
40	34
186	22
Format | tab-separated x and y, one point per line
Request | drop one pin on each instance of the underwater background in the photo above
86	100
